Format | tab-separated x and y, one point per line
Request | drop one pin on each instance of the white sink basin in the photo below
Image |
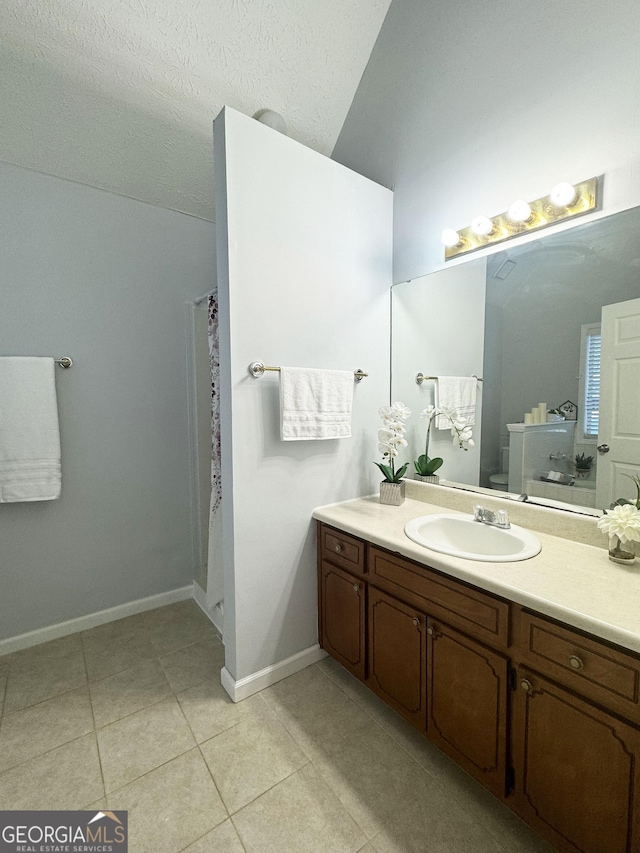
463	537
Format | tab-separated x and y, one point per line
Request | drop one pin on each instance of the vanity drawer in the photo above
477	613
607	675
341	549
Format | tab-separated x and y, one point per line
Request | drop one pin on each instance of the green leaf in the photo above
435	463
400	473
425	466
386	471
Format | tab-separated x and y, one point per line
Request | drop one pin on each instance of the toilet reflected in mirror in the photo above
500	480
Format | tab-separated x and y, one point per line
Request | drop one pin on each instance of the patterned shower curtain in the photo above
214	360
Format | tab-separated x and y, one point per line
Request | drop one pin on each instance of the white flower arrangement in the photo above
622	521
390	438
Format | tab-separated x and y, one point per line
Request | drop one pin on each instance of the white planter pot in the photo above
392	493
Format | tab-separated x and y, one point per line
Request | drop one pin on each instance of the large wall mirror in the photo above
555	321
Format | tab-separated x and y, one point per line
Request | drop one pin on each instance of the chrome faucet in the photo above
499	518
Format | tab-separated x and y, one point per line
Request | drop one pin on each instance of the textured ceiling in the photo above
120	94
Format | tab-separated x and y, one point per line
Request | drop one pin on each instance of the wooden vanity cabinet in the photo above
342	609
575	737
545	716
467	689
397	655
577	769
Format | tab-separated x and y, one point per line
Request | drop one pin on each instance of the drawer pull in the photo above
356	587
575	662
431	631
338	548
416	621
526	685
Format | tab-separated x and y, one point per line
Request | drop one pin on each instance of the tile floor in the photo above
131	715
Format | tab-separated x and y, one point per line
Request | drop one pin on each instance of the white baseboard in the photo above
83	623
245	687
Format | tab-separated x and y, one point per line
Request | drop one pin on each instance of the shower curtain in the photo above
215	576
214	361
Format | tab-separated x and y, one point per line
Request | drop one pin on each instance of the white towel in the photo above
458	393
29	431
315	403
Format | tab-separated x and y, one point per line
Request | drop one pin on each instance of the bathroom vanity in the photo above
526	674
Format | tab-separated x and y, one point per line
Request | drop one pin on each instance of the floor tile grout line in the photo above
213	829
312	763
119	671
4	719
389	734
46	752
46	699
381	727
435	778
43	701
137	711
270	788
215	784
198	747
205	636
4	696
238	833
149	772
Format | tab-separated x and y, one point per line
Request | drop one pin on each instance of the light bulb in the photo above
450	238
519	211
563	195
482	226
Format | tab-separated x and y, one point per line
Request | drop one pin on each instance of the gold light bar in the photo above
543	213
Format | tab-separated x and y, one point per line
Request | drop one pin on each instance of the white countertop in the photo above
573	582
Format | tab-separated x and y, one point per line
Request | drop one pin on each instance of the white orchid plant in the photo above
460	430
390	438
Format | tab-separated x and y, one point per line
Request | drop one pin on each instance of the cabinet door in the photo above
343	614
397	655
467	704
576	770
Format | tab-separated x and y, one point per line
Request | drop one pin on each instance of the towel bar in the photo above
420	378
257	369
65	362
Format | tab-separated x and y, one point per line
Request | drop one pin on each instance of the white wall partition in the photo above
304	273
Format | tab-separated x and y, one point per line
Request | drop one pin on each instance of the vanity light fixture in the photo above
450	238
565	201
520	211
563	194
482	226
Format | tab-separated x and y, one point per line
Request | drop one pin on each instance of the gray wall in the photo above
103	279
465	107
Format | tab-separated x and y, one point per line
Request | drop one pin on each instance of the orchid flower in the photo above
460	430
390	437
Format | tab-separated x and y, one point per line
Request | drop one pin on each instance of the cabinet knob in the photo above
526	685
338	548
356	587
575	662
430	631
416	621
